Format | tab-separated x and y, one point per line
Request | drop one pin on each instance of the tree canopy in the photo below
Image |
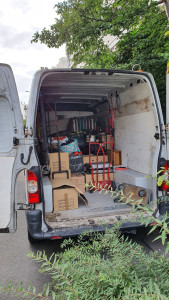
139	25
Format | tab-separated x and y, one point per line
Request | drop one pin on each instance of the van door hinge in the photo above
157	136
15	141
165	127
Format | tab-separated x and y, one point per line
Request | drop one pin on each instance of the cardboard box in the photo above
79	181
61	175
65	199
100	158
109	136
109	155
117	157
86	159
54	161
88	178
65	194
94	159
102	137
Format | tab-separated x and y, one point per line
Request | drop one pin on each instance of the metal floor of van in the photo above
100	208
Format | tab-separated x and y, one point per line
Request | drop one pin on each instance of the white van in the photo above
128	101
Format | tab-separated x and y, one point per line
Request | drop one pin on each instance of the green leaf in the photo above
160	180
147	221
163	237
53	295
159	172
166	33
154	227
47	290
167	248
157	238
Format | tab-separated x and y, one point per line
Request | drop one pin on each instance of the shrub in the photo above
102	267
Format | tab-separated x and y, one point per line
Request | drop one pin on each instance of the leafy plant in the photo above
140	26
101	267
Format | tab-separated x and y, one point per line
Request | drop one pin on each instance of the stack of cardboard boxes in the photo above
67	186
65	190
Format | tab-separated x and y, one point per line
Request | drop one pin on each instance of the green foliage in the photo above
140	25
101	267
24	123
31	293
106	267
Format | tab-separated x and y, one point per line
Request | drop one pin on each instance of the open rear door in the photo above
167	109
167	95
11	134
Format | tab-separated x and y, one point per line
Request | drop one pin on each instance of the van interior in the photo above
95	130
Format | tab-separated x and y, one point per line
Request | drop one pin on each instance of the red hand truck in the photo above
105	183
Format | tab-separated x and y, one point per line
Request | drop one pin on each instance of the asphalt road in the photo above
15	266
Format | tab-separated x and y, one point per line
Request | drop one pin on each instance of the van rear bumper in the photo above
34	222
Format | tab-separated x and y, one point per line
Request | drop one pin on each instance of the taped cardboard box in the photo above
54	161
88	178
65	195
94	159
79	181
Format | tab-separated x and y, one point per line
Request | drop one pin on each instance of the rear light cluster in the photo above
164	186
33	189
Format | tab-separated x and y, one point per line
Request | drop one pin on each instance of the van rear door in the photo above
167	95
11	146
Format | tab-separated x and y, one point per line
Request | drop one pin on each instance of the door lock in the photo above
157	136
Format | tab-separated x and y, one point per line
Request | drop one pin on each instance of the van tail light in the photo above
33	189
165	187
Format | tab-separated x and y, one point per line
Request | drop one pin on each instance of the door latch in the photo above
157	136
15	141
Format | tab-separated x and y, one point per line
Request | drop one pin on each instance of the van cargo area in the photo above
95	128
